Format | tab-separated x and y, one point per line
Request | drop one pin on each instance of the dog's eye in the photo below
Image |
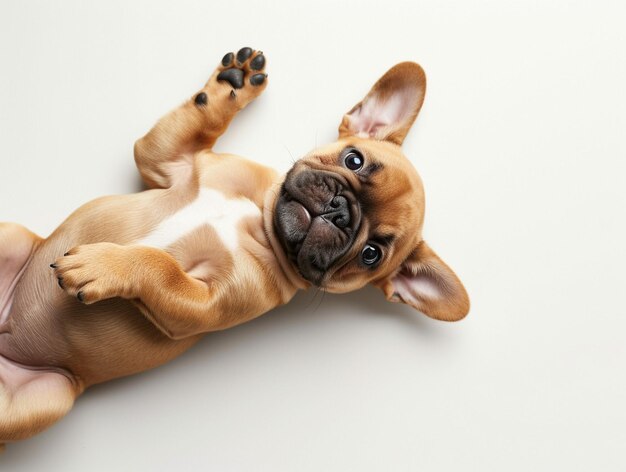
370	254
353	160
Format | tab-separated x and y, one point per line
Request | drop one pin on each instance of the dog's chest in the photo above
210	208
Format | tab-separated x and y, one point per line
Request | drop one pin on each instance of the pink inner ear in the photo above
373	115
412	288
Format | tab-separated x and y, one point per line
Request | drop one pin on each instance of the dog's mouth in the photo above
316	219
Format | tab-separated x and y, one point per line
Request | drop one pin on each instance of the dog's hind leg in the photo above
16	246
165	154
31	400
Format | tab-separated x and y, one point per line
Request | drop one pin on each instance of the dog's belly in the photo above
112	338
211	208
48	328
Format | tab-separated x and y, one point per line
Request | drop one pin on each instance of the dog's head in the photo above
351	213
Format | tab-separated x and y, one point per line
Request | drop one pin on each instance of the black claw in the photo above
81	296
243	55
257	79
233	76
54	266
201	99
258	62
66	254
227	59
60	280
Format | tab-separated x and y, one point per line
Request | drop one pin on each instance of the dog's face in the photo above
351	213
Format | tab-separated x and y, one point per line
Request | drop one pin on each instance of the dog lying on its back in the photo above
217	241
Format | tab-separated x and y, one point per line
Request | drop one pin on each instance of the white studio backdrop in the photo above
521	147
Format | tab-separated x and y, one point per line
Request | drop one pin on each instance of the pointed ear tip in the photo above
411	68
412	65
462	312
451	316
460	316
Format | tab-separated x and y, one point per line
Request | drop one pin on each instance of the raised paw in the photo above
93	272
247	65
238	79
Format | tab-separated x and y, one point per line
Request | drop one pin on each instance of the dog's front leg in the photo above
167	150
178	304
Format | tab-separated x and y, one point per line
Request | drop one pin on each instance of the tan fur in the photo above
52	346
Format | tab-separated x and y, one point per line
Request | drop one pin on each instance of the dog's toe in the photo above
258	62
228	59
257	79
243	55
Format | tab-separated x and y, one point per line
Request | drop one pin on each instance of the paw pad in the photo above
233	76
227	59
239	66
243	55
258	62
257	79
201	99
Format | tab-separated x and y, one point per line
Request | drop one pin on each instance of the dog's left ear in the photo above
391	106
426	283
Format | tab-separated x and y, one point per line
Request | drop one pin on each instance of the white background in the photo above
521	147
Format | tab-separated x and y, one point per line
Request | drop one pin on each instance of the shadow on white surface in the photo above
313	311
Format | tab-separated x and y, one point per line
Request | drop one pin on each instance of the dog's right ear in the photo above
391	106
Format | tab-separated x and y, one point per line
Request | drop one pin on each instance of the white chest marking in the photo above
210	207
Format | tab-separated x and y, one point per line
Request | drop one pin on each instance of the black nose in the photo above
339	212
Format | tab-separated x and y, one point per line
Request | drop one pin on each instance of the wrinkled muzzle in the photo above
317	217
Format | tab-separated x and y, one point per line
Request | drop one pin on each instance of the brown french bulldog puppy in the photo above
217	240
